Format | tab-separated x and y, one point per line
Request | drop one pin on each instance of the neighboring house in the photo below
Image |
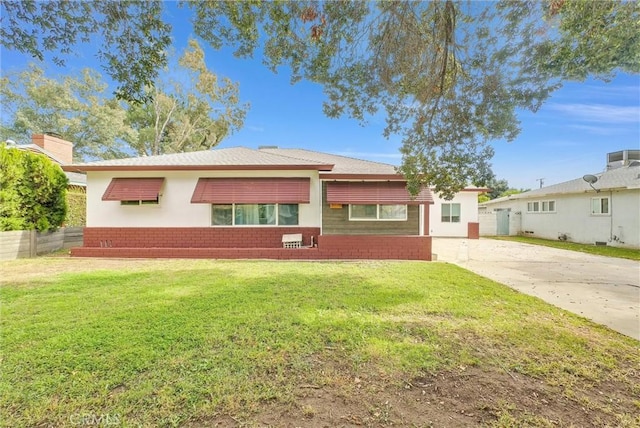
59	151
246	203
607	211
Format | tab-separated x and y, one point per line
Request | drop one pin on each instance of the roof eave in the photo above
86	168
559	193
329	176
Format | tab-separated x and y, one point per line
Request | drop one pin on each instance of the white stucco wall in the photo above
489	223
573	217
175	208
468	214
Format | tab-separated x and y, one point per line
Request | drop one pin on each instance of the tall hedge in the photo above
32	191
76	208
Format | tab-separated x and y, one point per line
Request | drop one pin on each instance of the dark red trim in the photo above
426	219
473	230
475	189
329	176
289	190
374	192
133	189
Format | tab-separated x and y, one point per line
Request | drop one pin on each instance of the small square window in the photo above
288	214
222	215
450	213
600	206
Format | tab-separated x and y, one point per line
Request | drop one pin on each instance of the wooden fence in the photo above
29	243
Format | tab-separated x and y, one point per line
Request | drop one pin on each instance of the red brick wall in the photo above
375	247
246	243
193	237
473	230
199	253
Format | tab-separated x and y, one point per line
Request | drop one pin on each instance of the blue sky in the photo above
567	138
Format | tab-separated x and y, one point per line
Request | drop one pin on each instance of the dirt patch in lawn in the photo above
469	398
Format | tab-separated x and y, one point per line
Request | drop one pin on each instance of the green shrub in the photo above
32	191
77	208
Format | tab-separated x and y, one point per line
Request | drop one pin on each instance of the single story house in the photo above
262	203
601	208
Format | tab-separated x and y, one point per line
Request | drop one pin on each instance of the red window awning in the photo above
133	189
374	192
252	191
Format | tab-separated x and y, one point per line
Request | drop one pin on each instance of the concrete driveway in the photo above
605	290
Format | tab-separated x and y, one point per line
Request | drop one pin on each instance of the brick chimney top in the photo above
61	149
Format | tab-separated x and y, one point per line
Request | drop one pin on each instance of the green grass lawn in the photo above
604	250
169	342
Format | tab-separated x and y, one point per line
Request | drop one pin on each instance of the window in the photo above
155	202
254	214
222	215
450	213
359	212
287	214
600	206
541	207
393	212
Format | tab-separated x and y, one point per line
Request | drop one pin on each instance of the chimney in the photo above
61	149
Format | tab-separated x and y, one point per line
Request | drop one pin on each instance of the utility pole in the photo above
541	180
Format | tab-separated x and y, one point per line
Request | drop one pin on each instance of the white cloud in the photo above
611	91
603	113
599	130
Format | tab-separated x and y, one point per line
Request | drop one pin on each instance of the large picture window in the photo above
254	214
600	206
450	213
373	212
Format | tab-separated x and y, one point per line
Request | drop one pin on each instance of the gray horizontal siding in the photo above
335	221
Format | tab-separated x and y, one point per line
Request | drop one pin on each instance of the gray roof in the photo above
245	157
626	177
76	178
38	149
234	156
342	164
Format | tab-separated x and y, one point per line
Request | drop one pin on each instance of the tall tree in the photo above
180	117
450	75
76	108
134	37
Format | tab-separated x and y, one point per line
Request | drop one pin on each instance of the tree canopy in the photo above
76	107
175	117
450	75
186	117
